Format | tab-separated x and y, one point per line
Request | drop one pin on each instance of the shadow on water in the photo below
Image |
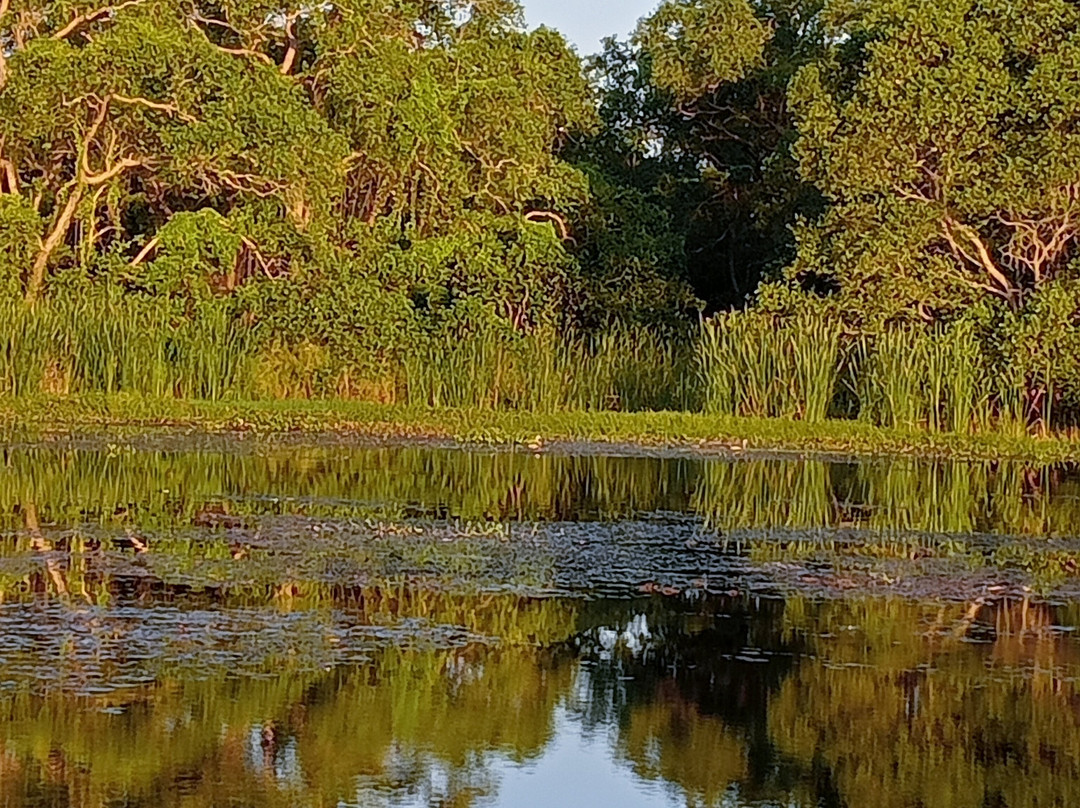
404	626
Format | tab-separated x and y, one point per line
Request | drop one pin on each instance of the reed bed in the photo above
738	364
620	369
103	344
941	380
932	380
753	365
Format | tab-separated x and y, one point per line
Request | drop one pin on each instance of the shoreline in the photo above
575	432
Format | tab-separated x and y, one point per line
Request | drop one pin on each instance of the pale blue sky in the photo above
586	22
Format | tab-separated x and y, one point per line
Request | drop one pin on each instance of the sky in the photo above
586	22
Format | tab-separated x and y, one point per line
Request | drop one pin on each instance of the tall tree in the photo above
696	116
946	138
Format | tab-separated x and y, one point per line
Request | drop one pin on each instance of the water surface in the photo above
260	625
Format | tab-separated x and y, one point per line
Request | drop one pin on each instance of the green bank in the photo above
536	431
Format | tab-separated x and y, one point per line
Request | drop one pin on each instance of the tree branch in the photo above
168	109
254	54
52	241
111	173
10	178
554	218
291	48
151	245
984	259
93	16
4	5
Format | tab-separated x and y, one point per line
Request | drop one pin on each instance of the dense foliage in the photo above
353	175
348	194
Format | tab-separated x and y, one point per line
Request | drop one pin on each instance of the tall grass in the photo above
923	379
740	363
752	364
619	369
98	345
102	344
936	379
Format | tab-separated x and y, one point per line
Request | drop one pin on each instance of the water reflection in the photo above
161	487
661	701
406	626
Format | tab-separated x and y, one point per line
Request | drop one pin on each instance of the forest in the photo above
798	209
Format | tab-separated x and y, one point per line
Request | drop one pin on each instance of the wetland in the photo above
211	620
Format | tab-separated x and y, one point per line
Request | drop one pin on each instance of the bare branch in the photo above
247	183
9	181
254	54
248	52
93	16
144	253
168	109
52	241
554	218
113	172
4	5
985	261
291	48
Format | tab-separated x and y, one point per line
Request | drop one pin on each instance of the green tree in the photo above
945	138
341	150
696	119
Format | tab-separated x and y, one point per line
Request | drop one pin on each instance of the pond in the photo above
230	621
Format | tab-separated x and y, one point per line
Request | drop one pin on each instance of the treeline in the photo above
423	201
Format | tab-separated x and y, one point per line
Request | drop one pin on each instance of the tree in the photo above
114	117
946	139
696	118
322	135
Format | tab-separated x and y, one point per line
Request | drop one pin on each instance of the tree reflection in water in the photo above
331	626
725	701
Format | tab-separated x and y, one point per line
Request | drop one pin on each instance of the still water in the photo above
237	623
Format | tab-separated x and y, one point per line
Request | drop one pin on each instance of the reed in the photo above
620	369
106	345
754	365
939	380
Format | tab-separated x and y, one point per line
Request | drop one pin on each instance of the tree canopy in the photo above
945	138
409	149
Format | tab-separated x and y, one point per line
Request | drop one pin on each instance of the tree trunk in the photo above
59	230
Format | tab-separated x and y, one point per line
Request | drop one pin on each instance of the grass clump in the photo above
756	365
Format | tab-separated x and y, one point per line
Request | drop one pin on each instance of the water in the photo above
192	622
